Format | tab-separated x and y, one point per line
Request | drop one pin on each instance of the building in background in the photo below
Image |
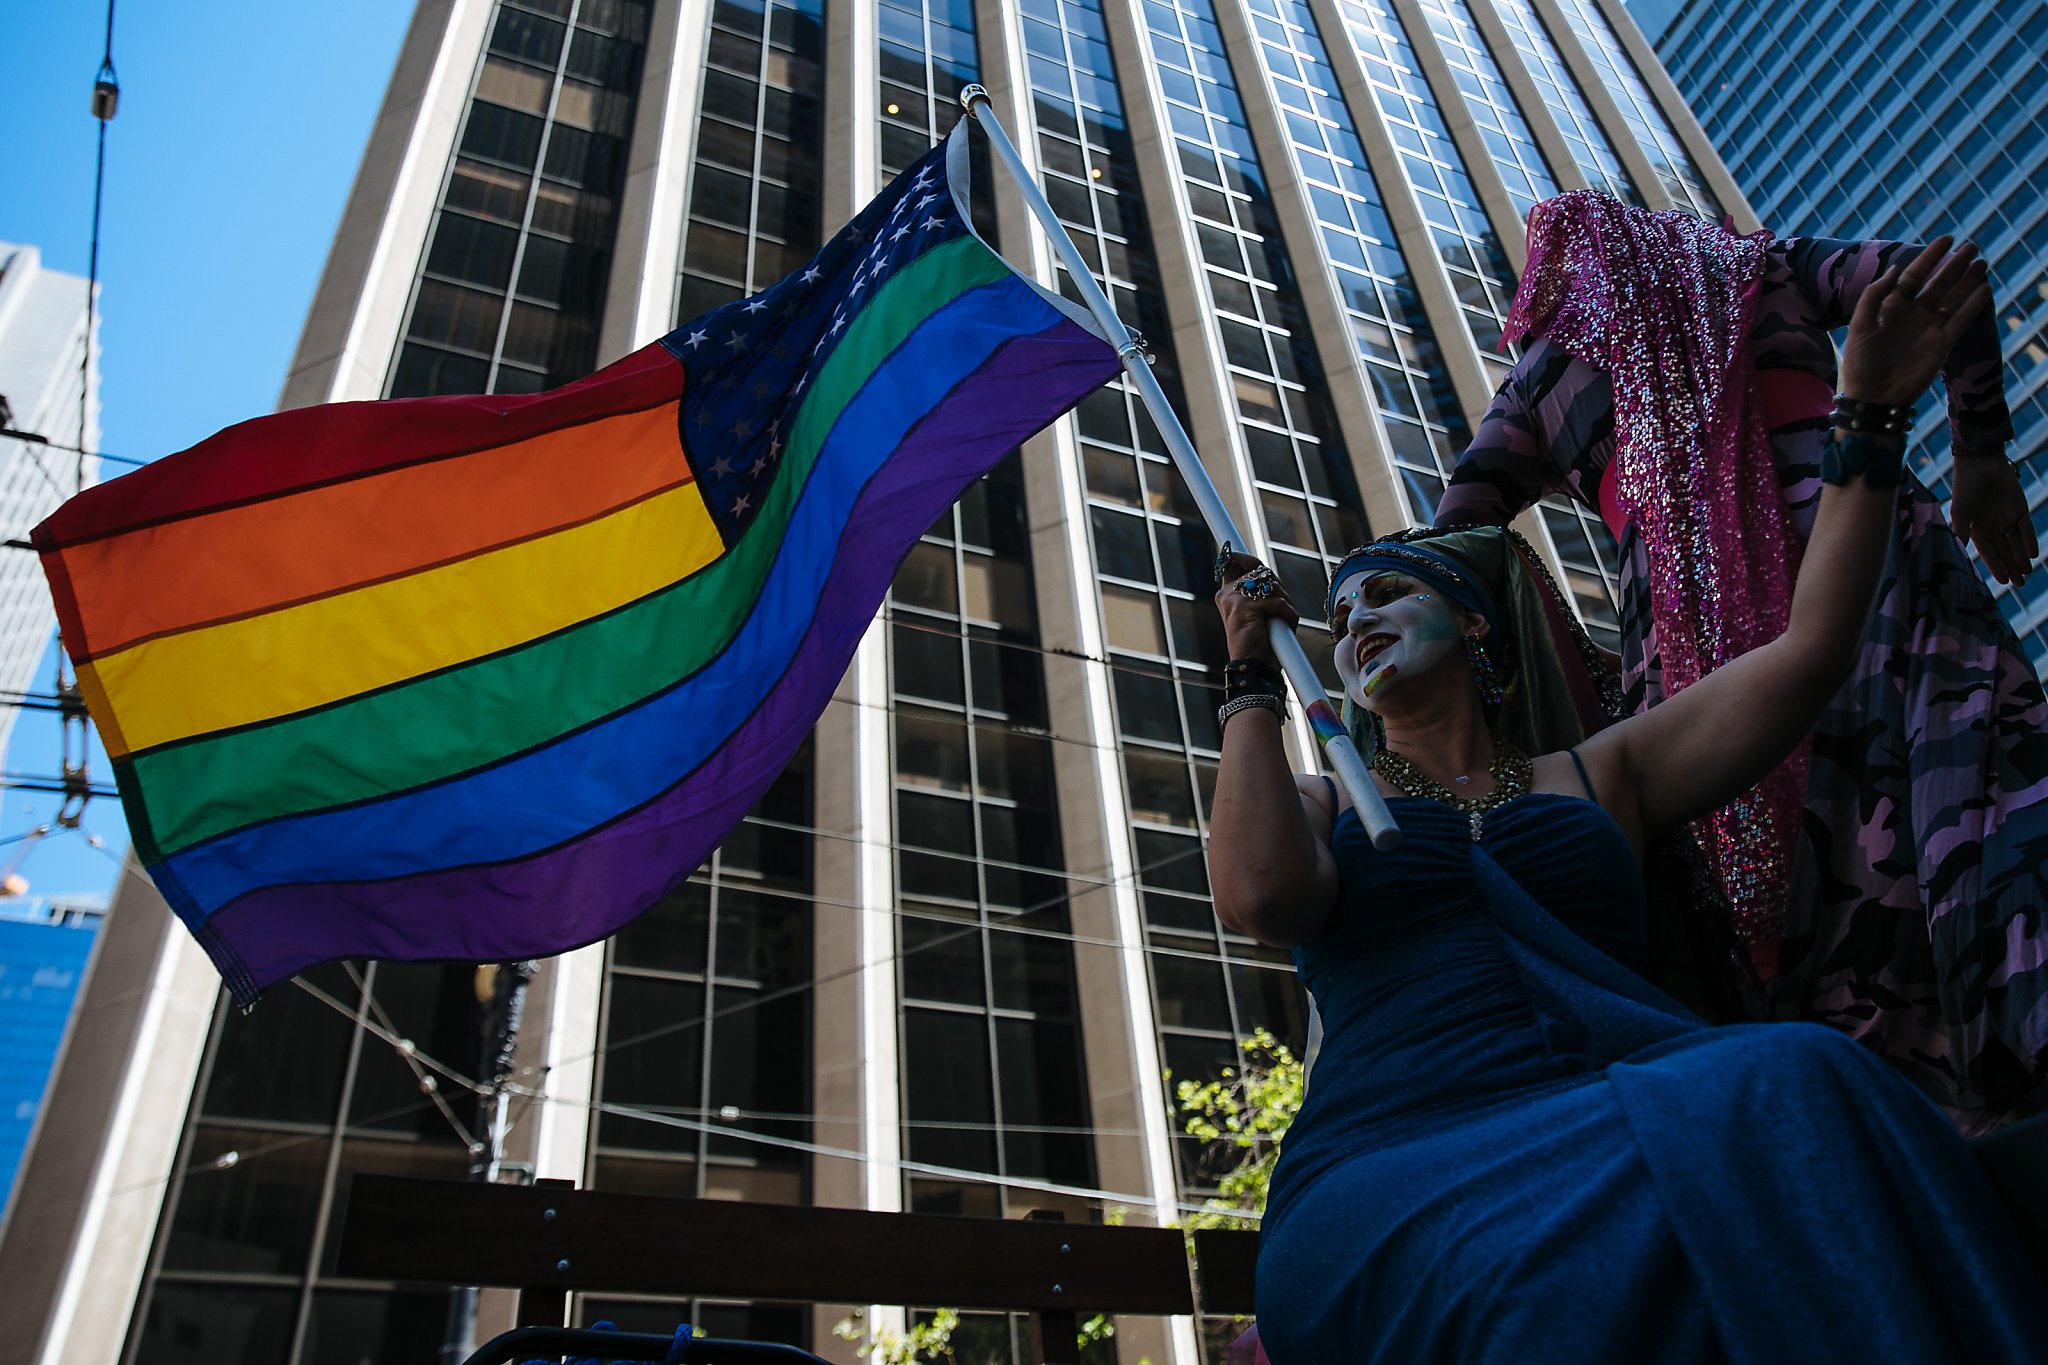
44	369
1885	119
947	961
43	950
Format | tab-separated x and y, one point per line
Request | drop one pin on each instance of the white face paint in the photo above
1395	630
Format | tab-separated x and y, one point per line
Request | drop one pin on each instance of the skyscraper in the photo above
1900	121
44	369
947	961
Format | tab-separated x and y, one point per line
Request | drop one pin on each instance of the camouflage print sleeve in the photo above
1504	470
1831	274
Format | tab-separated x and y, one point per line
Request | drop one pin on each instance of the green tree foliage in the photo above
1242	1115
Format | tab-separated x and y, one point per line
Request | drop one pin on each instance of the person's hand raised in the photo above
1907	320
1990	511
1248	597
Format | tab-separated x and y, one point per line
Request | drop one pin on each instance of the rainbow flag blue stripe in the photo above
481	678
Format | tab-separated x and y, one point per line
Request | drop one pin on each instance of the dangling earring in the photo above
1483	672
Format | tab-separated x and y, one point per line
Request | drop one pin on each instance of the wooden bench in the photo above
549	1239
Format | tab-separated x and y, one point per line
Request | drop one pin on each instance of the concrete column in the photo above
1386	506
1457	116
1662	89
1207	394
1514	73
352	329
654	201
77	1240
1606	112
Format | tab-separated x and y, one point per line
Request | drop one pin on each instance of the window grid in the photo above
1566	102
512	284
1410	384
993	1076
1975	135
1309	502
1214	988
928	56
754	210
1523	171
289	1105
1152	553
1465	241
1653	131
692	1025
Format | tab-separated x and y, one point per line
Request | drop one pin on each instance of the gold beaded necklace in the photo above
1512	774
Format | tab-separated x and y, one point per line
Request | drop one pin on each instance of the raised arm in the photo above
1990	510
1506	468
1701	748
1271	873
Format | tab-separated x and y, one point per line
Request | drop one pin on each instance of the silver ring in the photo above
1259	584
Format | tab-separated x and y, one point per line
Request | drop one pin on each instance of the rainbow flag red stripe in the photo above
480	678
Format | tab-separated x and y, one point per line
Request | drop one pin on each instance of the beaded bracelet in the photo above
1855	414
1251	701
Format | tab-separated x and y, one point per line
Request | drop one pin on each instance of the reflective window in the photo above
519	255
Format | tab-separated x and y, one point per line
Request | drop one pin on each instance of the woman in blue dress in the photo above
1515	1148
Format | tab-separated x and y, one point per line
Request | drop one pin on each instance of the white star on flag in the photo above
813	275
756	306
696	340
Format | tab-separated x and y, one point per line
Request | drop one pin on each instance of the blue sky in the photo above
239	131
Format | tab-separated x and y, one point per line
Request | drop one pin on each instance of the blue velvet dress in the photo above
1515	1149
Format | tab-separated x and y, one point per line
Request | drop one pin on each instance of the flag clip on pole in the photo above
1301	674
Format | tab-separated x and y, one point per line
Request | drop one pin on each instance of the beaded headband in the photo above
1437	570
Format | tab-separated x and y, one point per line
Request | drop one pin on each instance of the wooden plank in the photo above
453	1232
1225	1265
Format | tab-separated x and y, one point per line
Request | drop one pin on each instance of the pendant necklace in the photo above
1512	772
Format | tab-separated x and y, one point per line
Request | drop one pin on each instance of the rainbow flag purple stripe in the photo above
481	678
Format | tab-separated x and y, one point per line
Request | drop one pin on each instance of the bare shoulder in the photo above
1320	801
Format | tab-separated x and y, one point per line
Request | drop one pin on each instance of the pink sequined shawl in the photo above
1663	303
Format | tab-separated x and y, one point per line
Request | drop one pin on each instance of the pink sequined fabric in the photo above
1663	302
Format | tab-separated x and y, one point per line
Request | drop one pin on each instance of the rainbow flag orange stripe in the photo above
480	678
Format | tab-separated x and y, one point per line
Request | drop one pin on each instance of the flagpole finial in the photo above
972	95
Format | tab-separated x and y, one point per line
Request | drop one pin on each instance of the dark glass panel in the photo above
1039	1068
455	316
436	1008
927	664
760	1064
391	1327
473	250
1145	707
942	962
672	936
426	370
252	1212
499	134
654	1040
286	1062
1190	992
216	1324
947	1093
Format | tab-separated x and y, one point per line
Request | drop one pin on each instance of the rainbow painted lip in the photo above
1379	678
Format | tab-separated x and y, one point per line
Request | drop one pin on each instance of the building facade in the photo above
43	949
1882	119
46	364
949	961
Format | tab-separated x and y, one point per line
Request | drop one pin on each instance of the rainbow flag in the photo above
481	678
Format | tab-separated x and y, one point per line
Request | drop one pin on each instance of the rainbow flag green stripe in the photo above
402	738
480	678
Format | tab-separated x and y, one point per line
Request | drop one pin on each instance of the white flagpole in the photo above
1301	674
